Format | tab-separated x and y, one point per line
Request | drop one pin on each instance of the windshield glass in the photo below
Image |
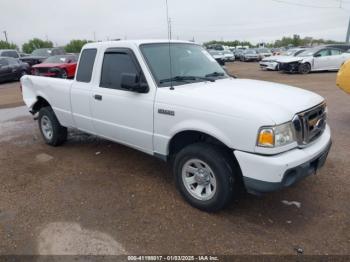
264	50
189	63
41	52
59	59
250	52
309	52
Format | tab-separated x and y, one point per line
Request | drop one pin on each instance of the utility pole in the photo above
348	33
5	33
169	24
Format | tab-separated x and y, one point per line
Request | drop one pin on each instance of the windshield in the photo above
309	52
250	52
264	50
59	59
41	52
189	63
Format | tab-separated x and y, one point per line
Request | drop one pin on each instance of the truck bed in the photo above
55	91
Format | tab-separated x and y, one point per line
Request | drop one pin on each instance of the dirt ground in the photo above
92	196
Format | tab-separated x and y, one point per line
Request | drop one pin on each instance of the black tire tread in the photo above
60	132
223	167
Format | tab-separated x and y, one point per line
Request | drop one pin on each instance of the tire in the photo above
304	68
214	179
22	73
53	133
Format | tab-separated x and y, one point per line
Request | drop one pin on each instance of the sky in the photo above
204	20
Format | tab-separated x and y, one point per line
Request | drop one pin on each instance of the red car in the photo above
61	66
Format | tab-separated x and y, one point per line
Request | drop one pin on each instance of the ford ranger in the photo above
171	99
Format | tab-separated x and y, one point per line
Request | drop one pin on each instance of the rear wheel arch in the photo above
40	103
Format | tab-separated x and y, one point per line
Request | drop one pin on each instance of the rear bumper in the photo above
271	173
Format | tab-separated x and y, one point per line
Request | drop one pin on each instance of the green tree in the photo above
7	45
35	43
75	46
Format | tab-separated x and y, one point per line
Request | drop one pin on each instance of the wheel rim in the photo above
305	68
199	179
46	127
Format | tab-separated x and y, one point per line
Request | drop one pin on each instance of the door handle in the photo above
98	97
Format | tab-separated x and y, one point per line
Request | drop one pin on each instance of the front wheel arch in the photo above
302	68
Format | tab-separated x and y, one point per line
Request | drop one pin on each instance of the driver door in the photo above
322	60
120	114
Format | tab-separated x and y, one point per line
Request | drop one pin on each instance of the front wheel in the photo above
52	131
204	176
304	68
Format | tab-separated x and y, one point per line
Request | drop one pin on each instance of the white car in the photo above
219	133
315	59
228	56
271	63
264	52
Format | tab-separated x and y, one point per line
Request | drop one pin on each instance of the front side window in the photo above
324	52
189	63
115	64
86	64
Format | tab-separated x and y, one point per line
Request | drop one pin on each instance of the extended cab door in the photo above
81	91
120	114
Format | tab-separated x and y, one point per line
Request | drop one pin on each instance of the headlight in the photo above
276	136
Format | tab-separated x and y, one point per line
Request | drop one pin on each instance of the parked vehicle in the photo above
39	55
61	66
218	56
249	55
219	133
12	69
272	62
264	52
343	77
228	56
10	53
315	59
238	53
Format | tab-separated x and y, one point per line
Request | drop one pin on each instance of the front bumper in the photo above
269	65
263	173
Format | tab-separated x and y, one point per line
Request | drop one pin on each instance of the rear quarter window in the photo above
86	65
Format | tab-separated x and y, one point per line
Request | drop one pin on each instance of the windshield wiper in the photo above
185	78
214	74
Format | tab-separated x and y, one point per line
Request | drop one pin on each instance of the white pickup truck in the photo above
174	101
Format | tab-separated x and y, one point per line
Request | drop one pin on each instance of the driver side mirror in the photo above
132	82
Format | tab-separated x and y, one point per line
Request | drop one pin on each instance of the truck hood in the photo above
266	102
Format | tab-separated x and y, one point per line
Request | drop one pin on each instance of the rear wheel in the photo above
52	131
204	176
304	68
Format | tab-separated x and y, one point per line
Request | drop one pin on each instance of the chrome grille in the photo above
310	124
